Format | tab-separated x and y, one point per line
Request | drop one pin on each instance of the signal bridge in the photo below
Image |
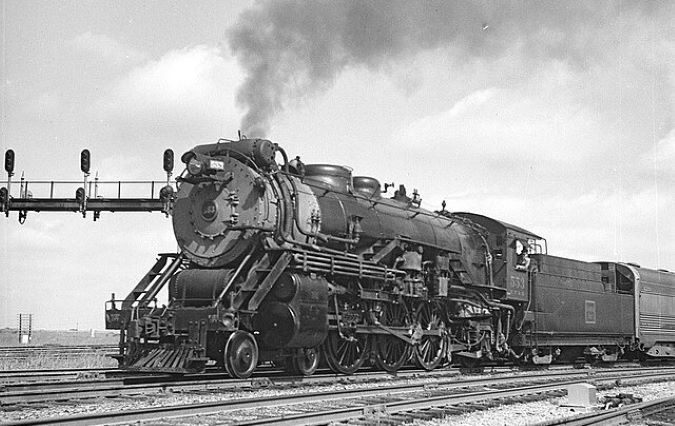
94	195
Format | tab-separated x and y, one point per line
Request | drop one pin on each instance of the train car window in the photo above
499	240
522	256
519	246
537	246
623	283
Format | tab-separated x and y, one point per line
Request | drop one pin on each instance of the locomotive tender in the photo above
294	263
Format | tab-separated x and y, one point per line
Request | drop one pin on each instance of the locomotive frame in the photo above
297	264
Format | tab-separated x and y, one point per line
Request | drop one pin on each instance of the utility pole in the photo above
25	328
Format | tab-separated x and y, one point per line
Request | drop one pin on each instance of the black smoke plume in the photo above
291	49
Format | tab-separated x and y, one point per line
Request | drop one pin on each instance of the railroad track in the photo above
43	392
23	393
658	412
68	373
7	376
25	387
384	404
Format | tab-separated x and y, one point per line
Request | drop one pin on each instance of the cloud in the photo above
126	118
107	49
37	235
510	127
57	261
470	102
591	225
661	157
45	107
187	93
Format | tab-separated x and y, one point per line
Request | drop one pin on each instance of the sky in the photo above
555	116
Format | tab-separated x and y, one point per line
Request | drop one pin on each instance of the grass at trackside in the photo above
52	362
9	337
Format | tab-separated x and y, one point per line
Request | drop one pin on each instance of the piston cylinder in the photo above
198	287
295	315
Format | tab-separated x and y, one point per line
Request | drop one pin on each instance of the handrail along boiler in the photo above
294	263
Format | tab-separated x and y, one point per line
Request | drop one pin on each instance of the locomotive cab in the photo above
512	247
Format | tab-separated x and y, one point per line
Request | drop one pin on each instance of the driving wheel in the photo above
390	352
241	354
346	354
430	350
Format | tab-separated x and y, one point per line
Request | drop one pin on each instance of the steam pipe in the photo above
319	235
327	238
283	154
529	300
288	211
510	309
508	325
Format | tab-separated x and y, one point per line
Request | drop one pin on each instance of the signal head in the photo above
9	161
168	160
4	198
79	195
85	161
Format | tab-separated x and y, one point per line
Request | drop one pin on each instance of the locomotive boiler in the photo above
297	264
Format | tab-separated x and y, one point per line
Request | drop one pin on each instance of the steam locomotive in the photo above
298	264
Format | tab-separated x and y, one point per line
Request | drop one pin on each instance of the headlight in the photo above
195	166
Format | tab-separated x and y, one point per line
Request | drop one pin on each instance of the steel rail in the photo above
55	348
17	392
623	415
339	414
22	393
428	402
262	378
54	372
425	402
60	391
35	376
9	392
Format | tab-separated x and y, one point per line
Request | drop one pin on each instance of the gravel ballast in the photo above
530	413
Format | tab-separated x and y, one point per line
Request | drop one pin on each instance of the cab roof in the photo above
495	225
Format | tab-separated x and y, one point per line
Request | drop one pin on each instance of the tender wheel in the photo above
391	353
305	361
430	350
241	354
345	355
